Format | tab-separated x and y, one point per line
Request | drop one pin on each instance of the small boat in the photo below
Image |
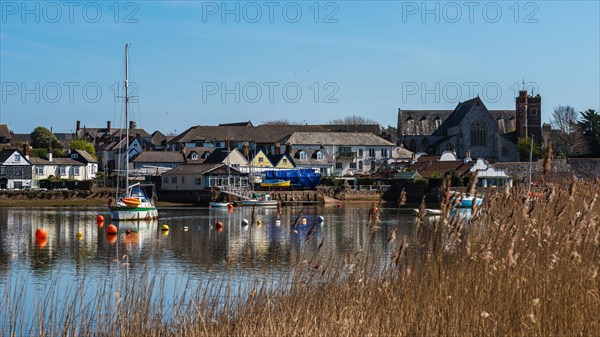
431	211
219	204
262	200
467	202
275	183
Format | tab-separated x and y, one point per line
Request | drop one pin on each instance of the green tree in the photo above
81	144
590	123
42	138
524	145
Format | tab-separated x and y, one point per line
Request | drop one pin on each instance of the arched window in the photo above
320	155
478	134
504	150
424	144
303	155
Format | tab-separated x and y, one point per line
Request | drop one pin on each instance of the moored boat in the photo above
219	204
262	200
275	183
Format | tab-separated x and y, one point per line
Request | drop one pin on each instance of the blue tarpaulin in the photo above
298	178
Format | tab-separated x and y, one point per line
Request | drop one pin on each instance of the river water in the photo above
79	252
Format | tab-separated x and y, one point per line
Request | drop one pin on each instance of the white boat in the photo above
264	200
219	204
133	204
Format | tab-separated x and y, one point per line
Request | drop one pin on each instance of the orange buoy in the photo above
100	224
219	224
111	229
40	233
99	218
230	206
41	243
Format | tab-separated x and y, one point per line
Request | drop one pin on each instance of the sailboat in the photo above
133	204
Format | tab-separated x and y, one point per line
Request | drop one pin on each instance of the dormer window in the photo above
74	155
194	156
303	155
320	155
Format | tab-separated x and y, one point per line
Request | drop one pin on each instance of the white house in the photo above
352	152
62	168
15	170
91	164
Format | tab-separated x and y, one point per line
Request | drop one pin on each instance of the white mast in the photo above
126	120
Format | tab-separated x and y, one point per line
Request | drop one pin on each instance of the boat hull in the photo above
257	203
218	204
133	213
275	183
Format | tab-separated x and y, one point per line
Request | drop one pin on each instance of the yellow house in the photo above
282	161
260	160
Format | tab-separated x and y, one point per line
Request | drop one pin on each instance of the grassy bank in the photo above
519	268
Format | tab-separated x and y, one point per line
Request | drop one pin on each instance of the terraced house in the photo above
15	170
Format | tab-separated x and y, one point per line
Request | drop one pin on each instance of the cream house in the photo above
63	168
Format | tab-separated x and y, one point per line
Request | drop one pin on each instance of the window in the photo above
303	155
384	153
504	150
424	144
478	134
338	166
18	172
360	165
39	170
285	161
534	112
194	156
17	157
372	153
320	155
182	179
260	159
2	170
76	170
353	166
198	181
165	180
173	180
74	155
360	152
62	171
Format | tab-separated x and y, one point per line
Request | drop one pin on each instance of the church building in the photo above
490	134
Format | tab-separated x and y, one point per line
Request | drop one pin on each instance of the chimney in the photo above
26	150
49	154
78	126
107	126
277	148
413	158
245	150
468	156
288	149
132	125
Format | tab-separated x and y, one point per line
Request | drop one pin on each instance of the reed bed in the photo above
520	266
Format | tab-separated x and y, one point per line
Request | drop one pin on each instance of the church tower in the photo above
529	116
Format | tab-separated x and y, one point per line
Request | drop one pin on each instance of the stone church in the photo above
490	134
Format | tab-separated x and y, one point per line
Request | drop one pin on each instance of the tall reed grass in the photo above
518	267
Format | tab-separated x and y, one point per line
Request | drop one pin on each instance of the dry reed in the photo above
519	267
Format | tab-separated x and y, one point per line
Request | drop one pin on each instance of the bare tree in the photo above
278	122
570	140
352	120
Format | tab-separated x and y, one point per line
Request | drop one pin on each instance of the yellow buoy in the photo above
164	227
79	236
258	222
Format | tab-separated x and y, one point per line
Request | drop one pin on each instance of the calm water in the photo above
193	250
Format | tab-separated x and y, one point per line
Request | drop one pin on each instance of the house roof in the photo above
5	132
201	170
248	123
158	138
6	153
55	161
86	156
428	169
159	157
407	175
20	138
200	151
219	156
336	138
372	128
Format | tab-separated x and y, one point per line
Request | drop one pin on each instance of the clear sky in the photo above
206	63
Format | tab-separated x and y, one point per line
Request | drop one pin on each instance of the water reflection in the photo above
78	248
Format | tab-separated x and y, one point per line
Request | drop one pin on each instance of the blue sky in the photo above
211	62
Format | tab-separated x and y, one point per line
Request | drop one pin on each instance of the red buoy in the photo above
128	231
41	234
219	224
111	229
99	218
339	206
230	206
